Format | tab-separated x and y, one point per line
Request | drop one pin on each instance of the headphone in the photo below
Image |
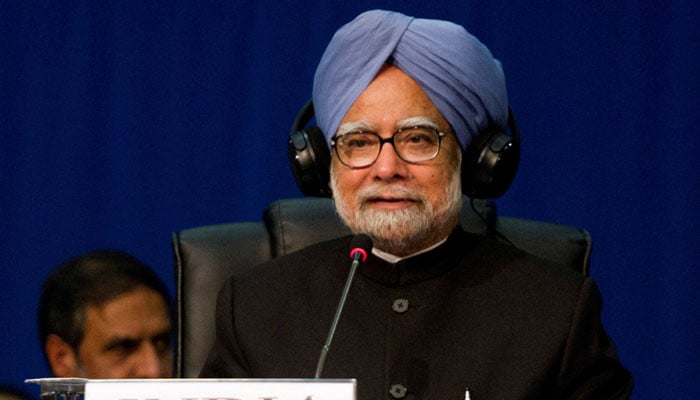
489	163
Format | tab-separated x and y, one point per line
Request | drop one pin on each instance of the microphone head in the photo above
360	245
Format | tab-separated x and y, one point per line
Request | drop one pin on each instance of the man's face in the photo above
128	337
404	207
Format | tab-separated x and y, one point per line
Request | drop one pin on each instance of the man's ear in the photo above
63	360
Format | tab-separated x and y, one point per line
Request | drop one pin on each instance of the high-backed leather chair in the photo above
206	256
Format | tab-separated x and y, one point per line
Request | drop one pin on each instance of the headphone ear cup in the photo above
310	160
489	165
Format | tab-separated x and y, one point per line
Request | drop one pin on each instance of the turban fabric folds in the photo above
457	72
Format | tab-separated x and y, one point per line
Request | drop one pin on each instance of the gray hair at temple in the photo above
457	72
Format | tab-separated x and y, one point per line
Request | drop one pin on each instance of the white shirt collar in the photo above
394	259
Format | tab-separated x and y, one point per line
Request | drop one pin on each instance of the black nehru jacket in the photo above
473	313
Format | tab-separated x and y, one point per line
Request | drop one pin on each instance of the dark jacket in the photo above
473	313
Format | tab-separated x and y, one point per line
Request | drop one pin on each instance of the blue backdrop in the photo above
123	121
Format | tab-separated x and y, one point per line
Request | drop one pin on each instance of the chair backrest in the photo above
206	256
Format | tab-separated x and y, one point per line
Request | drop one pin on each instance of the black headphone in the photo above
489	163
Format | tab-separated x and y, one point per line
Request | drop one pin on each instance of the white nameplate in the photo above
221	389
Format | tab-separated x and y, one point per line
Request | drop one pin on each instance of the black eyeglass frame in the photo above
440	134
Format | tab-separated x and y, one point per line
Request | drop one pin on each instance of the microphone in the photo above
359	246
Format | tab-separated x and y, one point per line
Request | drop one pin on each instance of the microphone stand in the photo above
324	351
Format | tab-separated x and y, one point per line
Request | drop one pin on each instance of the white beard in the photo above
406	231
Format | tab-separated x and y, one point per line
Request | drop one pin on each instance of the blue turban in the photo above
457	72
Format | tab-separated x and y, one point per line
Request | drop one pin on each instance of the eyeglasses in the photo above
360	149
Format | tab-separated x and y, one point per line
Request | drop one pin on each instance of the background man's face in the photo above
128	337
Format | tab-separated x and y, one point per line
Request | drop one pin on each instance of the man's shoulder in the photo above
511	264
298	264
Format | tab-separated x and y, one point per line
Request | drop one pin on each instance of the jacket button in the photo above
398	391
400	306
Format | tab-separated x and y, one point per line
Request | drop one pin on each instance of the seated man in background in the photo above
106	315
435	312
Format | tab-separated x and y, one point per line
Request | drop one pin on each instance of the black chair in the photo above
205	256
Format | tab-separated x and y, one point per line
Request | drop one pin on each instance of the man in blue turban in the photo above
435	312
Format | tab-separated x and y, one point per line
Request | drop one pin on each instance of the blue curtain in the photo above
123	121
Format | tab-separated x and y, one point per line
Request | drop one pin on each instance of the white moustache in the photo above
389	192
